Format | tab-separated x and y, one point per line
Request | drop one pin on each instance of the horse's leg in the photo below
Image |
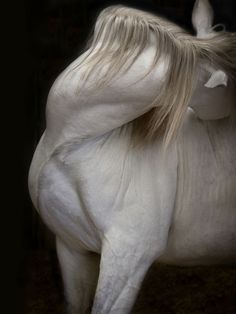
80	274
124	263
137	237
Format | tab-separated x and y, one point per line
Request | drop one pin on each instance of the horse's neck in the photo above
73	115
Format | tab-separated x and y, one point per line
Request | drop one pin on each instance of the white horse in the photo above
101	177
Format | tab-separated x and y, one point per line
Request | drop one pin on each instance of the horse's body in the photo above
133	204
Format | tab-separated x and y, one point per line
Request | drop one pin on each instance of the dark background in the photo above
40	39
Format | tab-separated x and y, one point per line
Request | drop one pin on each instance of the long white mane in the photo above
120	36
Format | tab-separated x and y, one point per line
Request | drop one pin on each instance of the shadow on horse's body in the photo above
134	204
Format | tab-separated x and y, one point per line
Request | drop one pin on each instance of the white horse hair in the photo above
100	178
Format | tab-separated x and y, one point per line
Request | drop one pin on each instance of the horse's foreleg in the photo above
122	269
80	274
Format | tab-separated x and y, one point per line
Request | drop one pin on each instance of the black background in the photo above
40	38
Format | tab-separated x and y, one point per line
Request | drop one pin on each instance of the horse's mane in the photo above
120	36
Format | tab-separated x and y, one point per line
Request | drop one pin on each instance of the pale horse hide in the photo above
116	203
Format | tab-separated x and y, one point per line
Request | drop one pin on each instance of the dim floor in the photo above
166	289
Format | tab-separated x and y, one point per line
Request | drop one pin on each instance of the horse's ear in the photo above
218	78
202	18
